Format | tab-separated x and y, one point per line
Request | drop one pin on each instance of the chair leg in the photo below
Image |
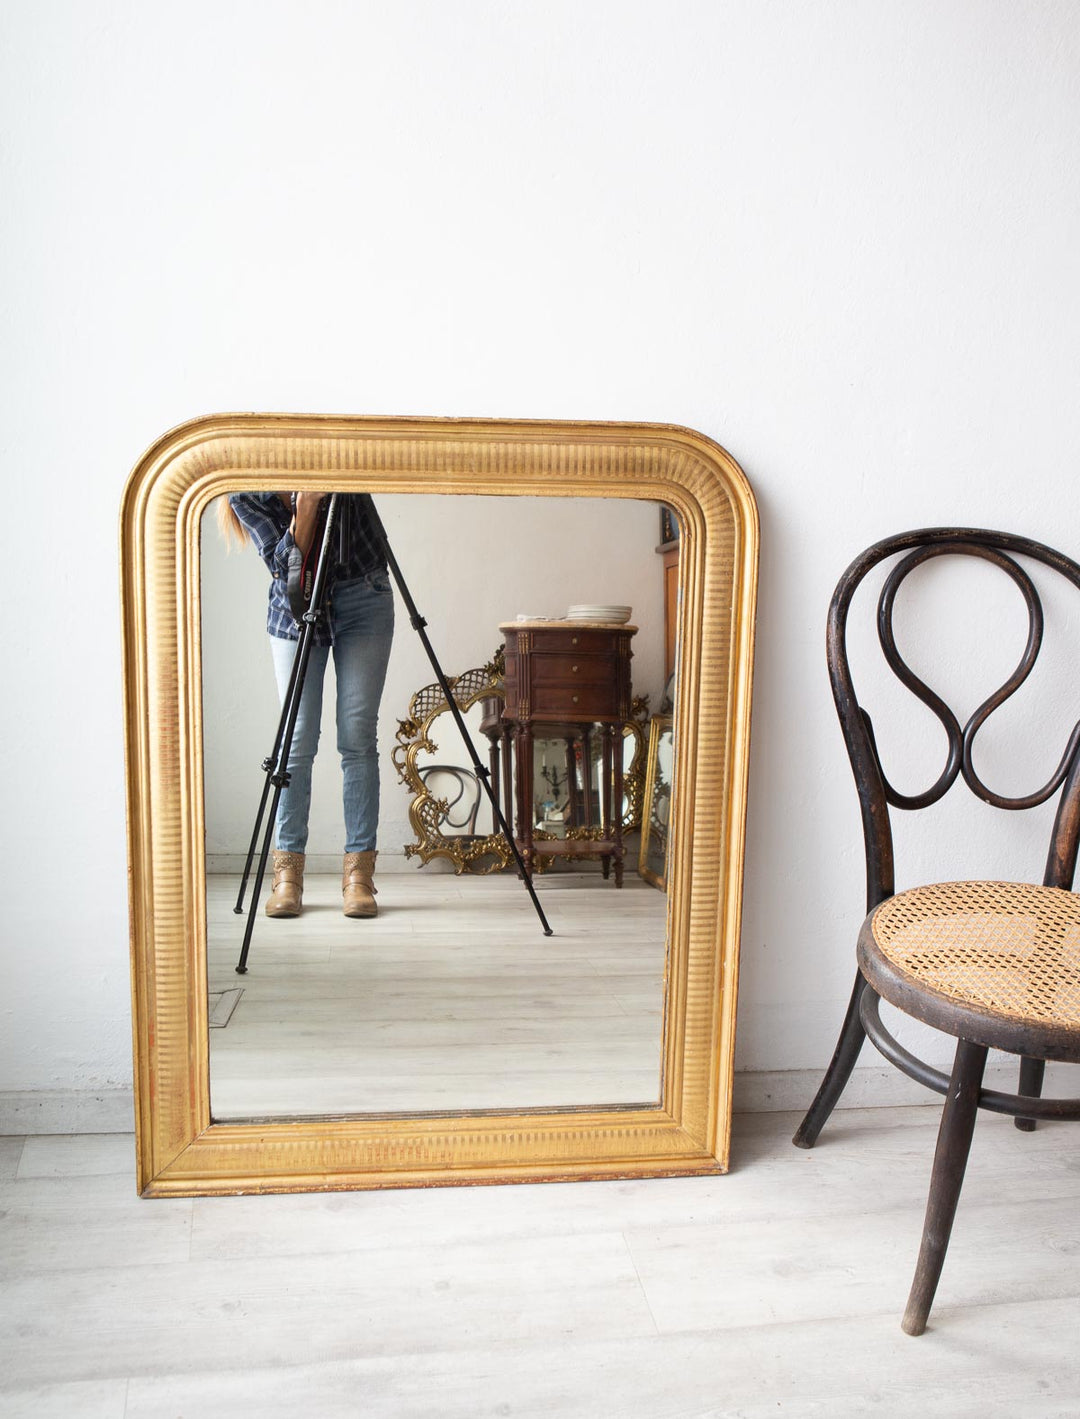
838	1073
947	1178
1031	1083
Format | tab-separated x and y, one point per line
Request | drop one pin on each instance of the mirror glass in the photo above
452	999
559	782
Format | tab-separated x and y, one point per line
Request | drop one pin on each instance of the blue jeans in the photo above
361	621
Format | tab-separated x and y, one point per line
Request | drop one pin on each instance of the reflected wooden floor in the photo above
451	999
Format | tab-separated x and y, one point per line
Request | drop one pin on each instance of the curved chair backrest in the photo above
876	793
466	799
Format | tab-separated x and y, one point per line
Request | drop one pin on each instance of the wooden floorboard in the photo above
774	1290
451	999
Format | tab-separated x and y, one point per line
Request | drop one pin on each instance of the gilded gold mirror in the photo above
202	1126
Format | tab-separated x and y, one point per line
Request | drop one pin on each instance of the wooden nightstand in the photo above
563	680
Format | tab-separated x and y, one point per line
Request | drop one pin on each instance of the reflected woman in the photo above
357	630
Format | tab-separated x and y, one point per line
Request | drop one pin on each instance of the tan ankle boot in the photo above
357	889
288	890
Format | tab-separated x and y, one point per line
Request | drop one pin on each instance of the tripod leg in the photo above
239	908
241	965
279	776
269	765
418	624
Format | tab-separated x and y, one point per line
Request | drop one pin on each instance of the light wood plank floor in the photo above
452	998
776	1290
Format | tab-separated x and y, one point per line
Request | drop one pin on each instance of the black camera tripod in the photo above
276	764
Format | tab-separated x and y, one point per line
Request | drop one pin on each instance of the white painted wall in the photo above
839	237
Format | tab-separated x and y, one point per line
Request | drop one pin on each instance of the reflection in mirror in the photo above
562	809
457	790
451	999
432	755
558	779
455	785
653	861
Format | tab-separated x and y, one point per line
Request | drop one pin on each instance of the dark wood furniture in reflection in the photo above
570	680
502	771
578	742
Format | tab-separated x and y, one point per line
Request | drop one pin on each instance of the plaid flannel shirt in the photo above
266	519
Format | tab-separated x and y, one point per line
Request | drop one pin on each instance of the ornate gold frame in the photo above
180	1150
480	855
490	853
634	776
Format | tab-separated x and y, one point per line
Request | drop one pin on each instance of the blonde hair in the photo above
229	525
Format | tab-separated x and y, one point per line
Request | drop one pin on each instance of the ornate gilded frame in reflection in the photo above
428	813
634	774
655	829
181	1150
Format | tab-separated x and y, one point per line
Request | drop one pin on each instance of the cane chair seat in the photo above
996	962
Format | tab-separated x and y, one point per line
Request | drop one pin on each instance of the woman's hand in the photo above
303	524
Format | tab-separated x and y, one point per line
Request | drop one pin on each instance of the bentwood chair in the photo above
996	965
461	787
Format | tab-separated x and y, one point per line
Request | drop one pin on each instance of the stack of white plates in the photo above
617	615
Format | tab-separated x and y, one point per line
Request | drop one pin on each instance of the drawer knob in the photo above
574	669
573	640
574	698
